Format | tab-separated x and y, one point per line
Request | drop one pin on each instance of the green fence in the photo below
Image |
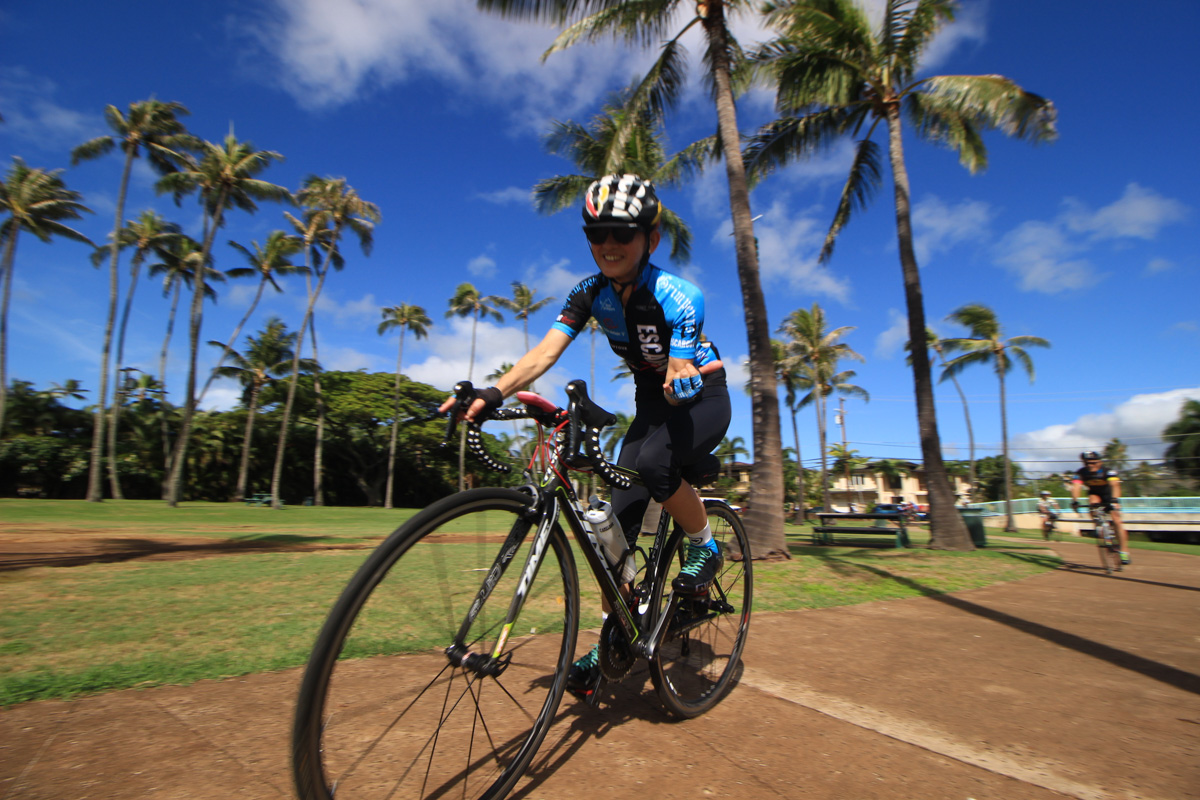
1028	505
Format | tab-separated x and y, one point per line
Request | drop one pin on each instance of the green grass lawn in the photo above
94	628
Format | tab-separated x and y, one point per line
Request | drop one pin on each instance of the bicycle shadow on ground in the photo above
1155	670
1093	571
577	723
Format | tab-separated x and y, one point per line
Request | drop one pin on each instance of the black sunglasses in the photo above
598	234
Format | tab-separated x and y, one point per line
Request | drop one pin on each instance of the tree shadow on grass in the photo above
116	550
1164	673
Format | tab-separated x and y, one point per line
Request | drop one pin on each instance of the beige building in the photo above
867	485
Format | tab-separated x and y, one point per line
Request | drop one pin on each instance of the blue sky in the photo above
435	112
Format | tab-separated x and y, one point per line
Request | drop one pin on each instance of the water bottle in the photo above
607	530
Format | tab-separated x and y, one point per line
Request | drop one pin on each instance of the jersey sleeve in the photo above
577	308
683	308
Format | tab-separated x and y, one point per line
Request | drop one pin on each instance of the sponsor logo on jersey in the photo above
651	346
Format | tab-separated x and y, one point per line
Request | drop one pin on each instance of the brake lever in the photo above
464	395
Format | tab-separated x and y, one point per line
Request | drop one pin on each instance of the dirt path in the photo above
1069	684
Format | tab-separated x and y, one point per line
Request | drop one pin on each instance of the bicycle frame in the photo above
555	495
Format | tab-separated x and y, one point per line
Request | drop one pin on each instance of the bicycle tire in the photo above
382	712
1109	557
700	651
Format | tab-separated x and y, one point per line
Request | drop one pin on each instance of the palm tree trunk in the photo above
10	251
946	527
94	493
387	502
118	385
319	449
801	512
1010	524
826	500
764	519
239	494
162	379
232	340
277	472
179	454
970	440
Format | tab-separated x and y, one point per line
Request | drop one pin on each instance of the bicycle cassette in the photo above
616	657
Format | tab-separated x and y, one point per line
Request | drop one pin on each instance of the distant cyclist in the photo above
1104	488
653	320
1047	509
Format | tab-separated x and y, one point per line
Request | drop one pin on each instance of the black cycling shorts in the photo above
663	440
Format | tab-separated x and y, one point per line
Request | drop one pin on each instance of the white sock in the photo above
702	538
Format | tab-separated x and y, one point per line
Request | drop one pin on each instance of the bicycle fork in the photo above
459	653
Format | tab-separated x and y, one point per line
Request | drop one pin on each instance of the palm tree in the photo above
988	346
179	261
835	76
892	469
1116	455
37	201
332	206
404	317
621	139
224	175
154	126
935	344
646	24
148	232
794	381
266	262
467	302
522	305
814	353
268	356
1183	440
847	459
729	450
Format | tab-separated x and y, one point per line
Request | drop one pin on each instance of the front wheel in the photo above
701	647
389	708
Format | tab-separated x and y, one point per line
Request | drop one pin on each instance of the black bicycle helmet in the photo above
621	200
1090	455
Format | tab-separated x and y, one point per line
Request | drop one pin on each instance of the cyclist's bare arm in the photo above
529	368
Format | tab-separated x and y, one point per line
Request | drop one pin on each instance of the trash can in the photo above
973	517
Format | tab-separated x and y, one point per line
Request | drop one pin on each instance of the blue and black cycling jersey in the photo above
663	319
1098	481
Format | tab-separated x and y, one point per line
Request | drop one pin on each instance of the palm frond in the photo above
956	365
920	24
861	183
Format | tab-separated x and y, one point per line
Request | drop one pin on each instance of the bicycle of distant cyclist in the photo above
1049	528
1106	538
441	667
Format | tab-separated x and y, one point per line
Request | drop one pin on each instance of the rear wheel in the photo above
1107	540
701	647
388	707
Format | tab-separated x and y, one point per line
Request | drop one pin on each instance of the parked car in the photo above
889	508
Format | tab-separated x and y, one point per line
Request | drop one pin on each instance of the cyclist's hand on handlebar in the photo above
486	401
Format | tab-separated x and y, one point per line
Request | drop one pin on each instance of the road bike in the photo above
441	667
1106	538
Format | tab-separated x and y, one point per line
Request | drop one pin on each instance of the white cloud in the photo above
1159	265
1046	255
1138	422
352	312
329	54
450	352
482	266
1040	254
32	115
347	359
1140	213
939	226
555	280
513	195
223	395
788	244
892	340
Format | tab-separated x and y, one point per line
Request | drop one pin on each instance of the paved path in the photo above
1070	684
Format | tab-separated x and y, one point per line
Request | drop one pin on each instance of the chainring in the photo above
616	657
